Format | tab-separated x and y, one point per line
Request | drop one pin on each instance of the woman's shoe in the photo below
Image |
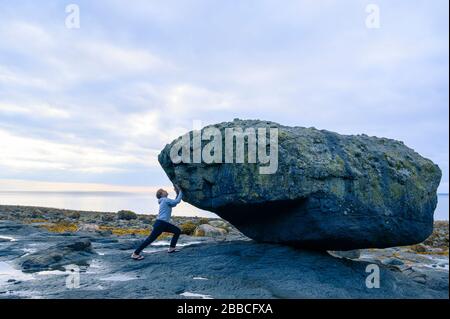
136	257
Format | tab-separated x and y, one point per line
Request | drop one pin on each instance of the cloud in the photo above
22	153
26	37
17	78
57	59
105	98
34	110
96	60
30	186
110	57
184	98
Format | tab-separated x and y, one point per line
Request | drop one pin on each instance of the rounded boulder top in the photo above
327	191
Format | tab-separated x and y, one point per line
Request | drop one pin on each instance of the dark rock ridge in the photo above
77	252
331	191
208	266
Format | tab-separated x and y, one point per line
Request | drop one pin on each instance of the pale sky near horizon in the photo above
92	107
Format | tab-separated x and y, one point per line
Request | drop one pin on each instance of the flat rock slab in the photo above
238	269
70	252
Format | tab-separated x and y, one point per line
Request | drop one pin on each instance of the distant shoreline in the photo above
26	208
69	210
95	201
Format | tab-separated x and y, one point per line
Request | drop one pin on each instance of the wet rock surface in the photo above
69	252
330	191
209	267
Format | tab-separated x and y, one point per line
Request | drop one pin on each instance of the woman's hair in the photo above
159	193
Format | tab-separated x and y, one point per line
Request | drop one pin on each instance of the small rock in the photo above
88	228
209	231
75	252
126	215
421	279
419	248
349	254
179	290
105	232
218	223
392	262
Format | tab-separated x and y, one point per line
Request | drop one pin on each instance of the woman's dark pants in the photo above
160	227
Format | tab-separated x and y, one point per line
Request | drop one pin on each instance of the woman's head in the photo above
161	193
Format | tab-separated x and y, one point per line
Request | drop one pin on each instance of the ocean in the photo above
142	203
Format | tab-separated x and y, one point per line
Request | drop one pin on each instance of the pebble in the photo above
392	262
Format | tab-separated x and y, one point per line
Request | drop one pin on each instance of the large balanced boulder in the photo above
330	191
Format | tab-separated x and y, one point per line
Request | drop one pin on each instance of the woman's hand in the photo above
176	188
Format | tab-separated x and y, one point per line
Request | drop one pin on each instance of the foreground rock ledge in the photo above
331	191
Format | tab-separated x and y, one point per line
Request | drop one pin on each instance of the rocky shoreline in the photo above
40	248
119	223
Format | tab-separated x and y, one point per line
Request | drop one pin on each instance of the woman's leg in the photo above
157	230
176	233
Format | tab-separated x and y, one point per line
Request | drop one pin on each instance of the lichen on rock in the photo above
330	191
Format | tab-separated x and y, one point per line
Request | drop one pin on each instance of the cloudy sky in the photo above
94	105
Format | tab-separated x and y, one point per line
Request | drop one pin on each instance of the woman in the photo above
162	223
